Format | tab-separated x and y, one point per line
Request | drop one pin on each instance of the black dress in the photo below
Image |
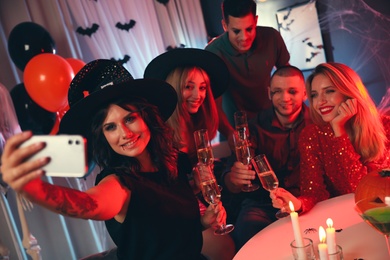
162	220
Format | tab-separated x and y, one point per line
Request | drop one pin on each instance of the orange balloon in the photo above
47	78
75	64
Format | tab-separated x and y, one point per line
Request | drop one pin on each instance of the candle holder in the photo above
304	252
338	255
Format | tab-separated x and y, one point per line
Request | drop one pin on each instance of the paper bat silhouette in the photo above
175	47
287	27
88	31
315	47
285	17
313	54
125	59
164	2
125	26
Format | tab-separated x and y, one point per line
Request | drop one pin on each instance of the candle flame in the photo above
322	234
291	205
329	222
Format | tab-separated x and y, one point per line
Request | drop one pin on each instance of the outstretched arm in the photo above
24	177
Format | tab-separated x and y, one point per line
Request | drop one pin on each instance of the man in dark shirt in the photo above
273	132
250	52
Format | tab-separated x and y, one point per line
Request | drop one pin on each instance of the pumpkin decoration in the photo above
375	184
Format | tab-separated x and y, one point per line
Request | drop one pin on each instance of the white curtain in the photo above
157	28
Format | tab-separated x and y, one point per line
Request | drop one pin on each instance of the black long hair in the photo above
161	148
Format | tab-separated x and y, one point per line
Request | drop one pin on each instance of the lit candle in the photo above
297	232
330	237
322	247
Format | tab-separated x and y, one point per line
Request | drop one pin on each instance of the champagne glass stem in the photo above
224	229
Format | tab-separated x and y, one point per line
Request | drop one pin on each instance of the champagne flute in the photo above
211	193
241	123
376	213
243	155
267	177
203	147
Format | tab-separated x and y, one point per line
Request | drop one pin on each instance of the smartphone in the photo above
68	154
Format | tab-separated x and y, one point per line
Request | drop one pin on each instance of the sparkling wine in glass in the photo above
267	177
205	156
269	180
243	154
376	213
241	124
242	131
203	147
211	193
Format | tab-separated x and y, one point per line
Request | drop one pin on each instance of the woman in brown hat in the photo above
198	76
141	193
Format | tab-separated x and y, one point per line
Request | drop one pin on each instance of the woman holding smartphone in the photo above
348	139
142	191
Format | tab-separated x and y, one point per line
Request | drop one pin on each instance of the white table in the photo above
357	238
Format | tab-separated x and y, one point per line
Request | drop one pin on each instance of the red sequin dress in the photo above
330	165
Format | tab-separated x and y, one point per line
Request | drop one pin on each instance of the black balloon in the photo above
27	40
30	115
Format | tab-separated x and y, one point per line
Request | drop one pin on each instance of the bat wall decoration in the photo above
299	26
125	26
89	30
125	59
175	47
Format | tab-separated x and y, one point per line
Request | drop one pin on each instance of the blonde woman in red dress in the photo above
348	139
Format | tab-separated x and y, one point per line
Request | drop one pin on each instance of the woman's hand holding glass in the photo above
214	216
268	179
279	197
212	195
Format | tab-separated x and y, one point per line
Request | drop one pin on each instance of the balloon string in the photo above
56	126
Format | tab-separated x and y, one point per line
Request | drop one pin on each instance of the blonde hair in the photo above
182	122
365	129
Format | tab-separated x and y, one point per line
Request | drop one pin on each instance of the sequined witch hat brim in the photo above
215	67
107	81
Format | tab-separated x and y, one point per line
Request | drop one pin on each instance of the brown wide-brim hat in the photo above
108	81
215	67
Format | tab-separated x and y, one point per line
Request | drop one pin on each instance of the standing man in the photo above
250	52
273	132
